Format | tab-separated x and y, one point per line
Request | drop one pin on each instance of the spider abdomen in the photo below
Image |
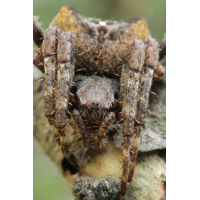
101	45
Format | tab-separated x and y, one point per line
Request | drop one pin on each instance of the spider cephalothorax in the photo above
75	46
96	96
96	100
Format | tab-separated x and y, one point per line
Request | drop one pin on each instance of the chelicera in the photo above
98	73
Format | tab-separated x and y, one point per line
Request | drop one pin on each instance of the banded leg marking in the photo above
37	33
129	98
49	51
66	65
146	81
80	125
38	60
109	119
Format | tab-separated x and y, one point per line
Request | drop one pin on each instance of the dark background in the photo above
47	182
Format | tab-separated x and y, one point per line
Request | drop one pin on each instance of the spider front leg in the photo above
130	80
49	49
66	66
152	54
65	74
47	45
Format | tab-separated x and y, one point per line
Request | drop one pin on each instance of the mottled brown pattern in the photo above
38	60
101	46
56	133
152	53
96	96
80	125
49	52
49	45
96	73
131	82
159	71
66	66
49	49
96	92
37	33
145	86
101	137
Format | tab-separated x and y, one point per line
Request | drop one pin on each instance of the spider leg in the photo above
162	52
152	53
65	74
37	33
38	60
49	51
159	71
80	125
130	80
108	120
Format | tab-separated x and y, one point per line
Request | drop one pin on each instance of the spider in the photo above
98	73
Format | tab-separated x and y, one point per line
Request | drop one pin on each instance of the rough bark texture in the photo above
149	177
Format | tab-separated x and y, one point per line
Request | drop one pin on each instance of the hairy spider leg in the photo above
37	33
50	73
145	86
130	80
108	120
38	59
80	125
65	74
159	71
49	49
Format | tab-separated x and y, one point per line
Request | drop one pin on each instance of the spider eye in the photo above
91	32
113	35
95	103
102	29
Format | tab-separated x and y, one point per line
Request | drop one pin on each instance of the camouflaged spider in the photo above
80	58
